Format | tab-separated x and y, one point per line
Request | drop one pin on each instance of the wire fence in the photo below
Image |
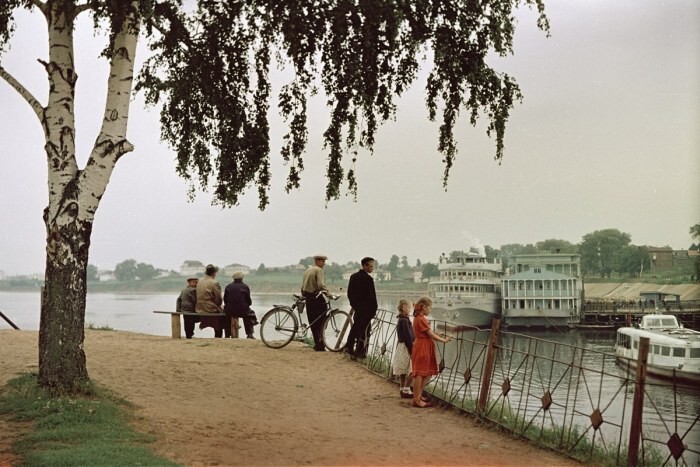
562	396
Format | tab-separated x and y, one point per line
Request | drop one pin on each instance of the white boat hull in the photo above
674	352
477	313
662	372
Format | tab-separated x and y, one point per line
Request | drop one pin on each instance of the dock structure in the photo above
627	312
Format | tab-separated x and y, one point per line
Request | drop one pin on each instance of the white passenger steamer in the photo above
468	290
674	351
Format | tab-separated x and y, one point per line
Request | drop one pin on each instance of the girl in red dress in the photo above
423	355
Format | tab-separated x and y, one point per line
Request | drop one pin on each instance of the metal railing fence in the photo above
565	397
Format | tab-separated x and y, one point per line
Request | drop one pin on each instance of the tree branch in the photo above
24	92
39	4
80	8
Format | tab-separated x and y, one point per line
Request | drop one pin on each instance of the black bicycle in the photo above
280	325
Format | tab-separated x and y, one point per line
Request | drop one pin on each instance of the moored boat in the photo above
467	291
674	351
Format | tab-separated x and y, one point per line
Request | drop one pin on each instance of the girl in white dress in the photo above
401	362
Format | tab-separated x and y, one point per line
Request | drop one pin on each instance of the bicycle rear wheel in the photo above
278	327
336	329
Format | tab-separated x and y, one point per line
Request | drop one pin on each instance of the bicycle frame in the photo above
334	322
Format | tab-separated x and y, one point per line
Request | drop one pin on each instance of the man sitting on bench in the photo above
186	304
209	300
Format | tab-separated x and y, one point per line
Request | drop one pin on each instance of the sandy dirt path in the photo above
236	402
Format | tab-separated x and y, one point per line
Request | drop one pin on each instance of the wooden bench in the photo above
176	322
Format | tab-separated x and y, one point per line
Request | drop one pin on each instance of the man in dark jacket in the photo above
237	303
186	303
363	300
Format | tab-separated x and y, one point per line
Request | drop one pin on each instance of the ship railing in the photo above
569	398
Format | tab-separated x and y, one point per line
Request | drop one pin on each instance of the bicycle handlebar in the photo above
322	292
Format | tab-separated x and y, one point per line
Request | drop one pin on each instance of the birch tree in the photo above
208	70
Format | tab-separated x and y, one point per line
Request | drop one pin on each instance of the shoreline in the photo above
613	290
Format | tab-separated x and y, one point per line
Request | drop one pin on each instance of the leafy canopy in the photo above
210	69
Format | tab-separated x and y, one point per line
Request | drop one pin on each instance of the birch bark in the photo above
74	194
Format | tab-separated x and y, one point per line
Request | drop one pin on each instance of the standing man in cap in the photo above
363	299
311	287
237	303
209	298
186	304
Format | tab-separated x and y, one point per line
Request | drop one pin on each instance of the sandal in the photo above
425	406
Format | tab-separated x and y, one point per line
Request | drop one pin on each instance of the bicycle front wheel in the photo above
336	329
278	327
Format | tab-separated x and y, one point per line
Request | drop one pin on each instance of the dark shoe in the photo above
348	351
250	337
323	349
406	395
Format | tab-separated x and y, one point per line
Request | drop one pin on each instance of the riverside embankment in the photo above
236	402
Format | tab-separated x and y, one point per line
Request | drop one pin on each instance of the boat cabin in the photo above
659	322
674	352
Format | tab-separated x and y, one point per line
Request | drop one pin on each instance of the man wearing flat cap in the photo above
237	303
186	304
209	299
311	287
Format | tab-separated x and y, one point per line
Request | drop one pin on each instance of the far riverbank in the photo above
287	283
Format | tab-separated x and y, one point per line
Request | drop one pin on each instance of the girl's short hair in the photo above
402	302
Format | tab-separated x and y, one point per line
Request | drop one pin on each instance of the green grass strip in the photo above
68	431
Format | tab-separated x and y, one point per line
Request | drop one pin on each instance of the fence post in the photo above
488	367
638	402
8	320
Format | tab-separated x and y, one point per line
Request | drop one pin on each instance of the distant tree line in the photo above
604	253
128	270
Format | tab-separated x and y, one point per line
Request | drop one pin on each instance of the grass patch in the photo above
86	430
570	440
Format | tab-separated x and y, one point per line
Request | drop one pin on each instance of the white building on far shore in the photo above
232	268
192	268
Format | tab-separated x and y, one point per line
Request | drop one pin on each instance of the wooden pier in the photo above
618	314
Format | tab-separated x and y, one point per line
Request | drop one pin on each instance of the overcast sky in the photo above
608	136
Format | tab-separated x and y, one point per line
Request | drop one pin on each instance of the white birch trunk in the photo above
74	196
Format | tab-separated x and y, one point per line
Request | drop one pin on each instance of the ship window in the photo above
670	322
635	344
678	352
665	351
623	341
656	350
694	353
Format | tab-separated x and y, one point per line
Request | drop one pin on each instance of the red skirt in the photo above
424	357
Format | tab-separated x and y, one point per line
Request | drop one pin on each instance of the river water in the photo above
134	313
